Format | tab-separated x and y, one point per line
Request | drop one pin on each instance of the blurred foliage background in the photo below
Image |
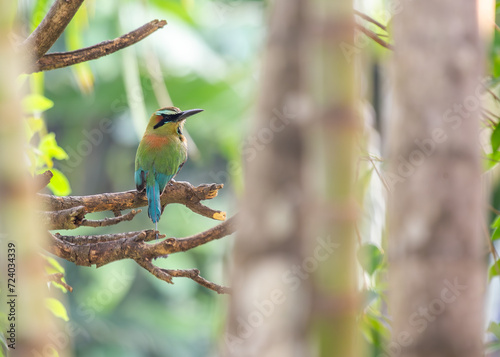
85	122
204	58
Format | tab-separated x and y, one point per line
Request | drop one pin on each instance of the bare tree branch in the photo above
104	249
158	272
194	274
42	180
175	192
64	59
99	251
370	19
217	232
374	37
145	236
51	27
491	92
70	218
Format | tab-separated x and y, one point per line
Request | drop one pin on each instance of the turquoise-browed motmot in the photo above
160	155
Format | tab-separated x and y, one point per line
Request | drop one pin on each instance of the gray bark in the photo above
437	269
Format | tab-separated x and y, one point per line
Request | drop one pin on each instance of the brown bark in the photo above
64	59
51	27
69	213
100	250
270	238
436	250
91	250
175	192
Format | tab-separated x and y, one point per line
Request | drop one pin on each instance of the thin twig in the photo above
488	121
379	175
491	92
494	210
370	19
65	59
374	37
490	113
194	274
158	272
57	278
51	27
110	221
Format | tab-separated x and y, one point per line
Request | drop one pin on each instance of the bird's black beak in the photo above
187	113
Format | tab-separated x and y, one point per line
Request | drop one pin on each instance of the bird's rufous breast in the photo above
156	141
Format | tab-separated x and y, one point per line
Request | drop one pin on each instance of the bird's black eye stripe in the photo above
167	118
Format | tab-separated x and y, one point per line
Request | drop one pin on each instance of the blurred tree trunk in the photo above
291	270
332	168
437	265
20	232
269	308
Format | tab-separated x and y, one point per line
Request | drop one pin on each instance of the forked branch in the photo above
100	250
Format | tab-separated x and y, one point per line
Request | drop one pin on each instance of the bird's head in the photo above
170	119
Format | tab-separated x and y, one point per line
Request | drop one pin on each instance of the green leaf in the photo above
74	41
50	150
494	270
496	222
33	126
59	183
370	257
57	308
39	12
36	103
495	138
37	81
33	158
59	286
54	266
496	234
374	330
494	328
492	159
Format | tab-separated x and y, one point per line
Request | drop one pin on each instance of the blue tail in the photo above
154	206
